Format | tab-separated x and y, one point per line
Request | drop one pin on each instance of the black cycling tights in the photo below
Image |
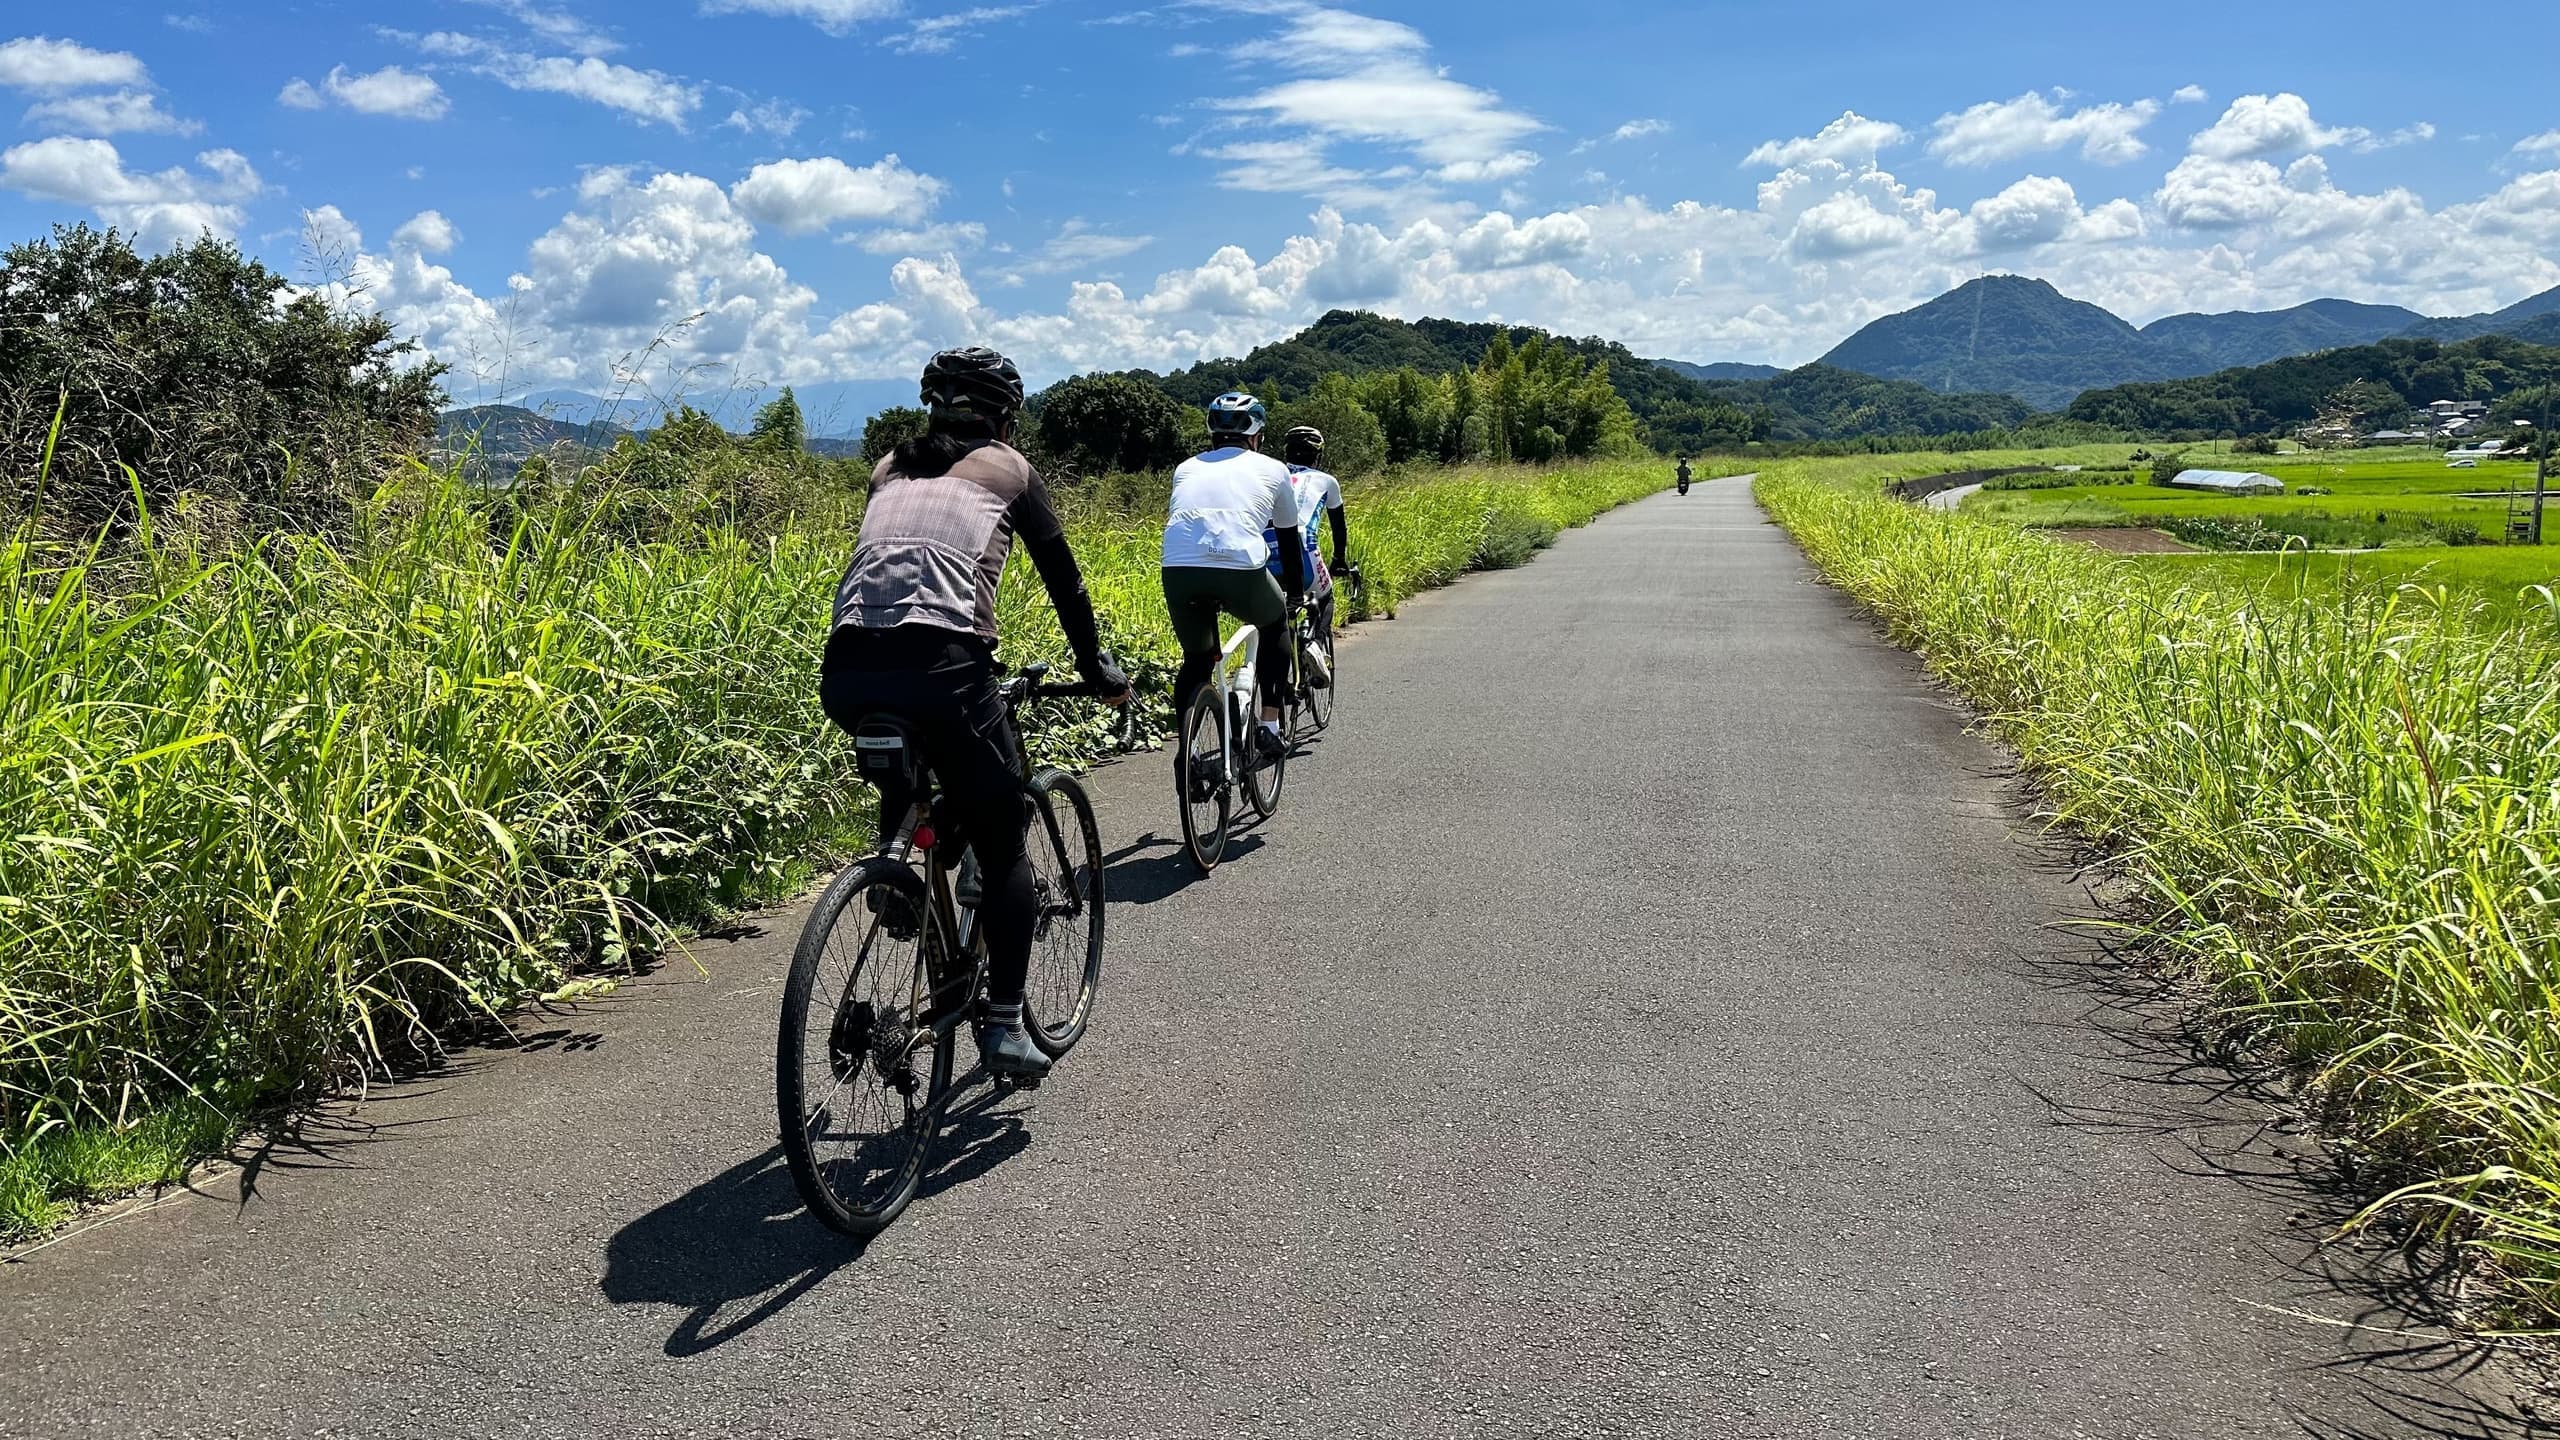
943	684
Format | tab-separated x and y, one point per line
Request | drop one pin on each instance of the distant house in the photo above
2228	482
2393	437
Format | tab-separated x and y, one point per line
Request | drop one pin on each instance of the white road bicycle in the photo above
1214	751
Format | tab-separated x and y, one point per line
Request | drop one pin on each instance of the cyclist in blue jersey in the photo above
1318	494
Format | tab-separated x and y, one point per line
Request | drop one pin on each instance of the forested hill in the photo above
1675	411
2282	395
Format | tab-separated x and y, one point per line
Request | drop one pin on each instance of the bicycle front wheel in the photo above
1065	846
1200	784
861	1069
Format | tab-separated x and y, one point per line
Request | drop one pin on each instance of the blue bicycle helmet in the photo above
1236	413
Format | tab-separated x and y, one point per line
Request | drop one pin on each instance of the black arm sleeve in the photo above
1341	538
1035	522
1293	560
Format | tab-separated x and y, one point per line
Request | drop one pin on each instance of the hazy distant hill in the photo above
1721	370
2254	337
2008	334
2510	321
2024	338
494	441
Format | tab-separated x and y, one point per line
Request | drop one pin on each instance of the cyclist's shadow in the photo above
742	1238
1130	877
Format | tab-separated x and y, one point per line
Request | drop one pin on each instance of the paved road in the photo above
1659	1030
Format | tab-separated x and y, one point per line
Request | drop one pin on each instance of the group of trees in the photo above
1537	401
195	371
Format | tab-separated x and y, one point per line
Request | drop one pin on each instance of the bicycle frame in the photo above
1234	679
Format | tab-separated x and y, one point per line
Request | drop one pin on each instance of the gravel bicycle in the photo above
891	965
1214	752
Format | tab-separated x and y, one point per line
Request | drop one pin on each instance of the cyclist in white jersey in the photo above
1319	494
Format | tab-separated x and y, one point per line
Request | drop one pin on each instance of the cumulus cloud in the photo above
113	112
836	17
427	233
161	208
1997	131
36	62
2189	95
1853	138
2256	126
802	196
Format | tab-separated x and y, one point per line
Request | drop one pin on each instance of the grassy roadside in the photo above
2342	799
287	814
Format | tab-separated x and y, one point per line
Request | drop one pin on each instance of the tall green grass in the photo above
283	816
2343	797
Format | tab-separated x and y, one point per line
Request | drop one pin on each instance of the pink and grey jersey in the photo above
932	548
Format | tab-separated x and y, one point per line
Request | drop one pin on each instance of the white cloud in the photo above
2261	125
1361	80
836	17
36	62
404	94
779	119
1497	242
427	233
923	240
645	95
300	94
1078	246
1998	131
114	112
2189	95
161	209
2417	134
558	27
1638	129
801	196
1853	138
938	34
2546	143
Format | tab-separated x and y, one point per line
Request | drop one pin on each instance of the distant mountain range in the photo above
1721	370
2021	337
496	440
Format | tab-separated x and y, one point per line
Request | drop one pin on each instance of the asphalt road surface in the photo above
1648	1017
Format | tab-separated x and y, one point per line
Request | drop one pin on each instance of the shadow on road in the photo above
739	1249
1132	878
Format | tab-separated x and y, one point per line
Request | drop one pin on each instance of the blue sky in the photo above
723	195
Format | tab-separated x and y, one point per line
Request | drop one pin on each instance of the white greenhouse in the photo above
2228	482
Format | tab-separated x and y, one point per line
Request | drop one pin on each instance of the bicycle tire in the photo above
1203	733
885	1039
1320	698
1263	779
1066	943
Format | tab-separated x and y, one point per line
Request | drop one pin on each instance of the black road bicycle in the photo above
891	968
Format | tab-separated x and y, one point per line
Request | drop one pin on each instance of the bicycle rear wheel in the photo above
861	1070
1263	776
1066	942
1200	784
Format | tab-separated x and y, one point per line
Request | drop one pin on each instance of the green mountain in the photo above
1676	411
2254	337
2282	395
2009	334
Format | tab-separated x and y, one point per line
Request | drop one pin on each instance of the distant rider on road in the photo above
1318	494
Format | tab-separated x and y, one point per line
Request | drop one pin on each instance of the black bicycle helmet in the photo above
1303	440
973	380
1236	413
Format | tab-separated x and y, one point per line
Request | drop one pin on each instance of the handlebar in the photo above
1032	684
